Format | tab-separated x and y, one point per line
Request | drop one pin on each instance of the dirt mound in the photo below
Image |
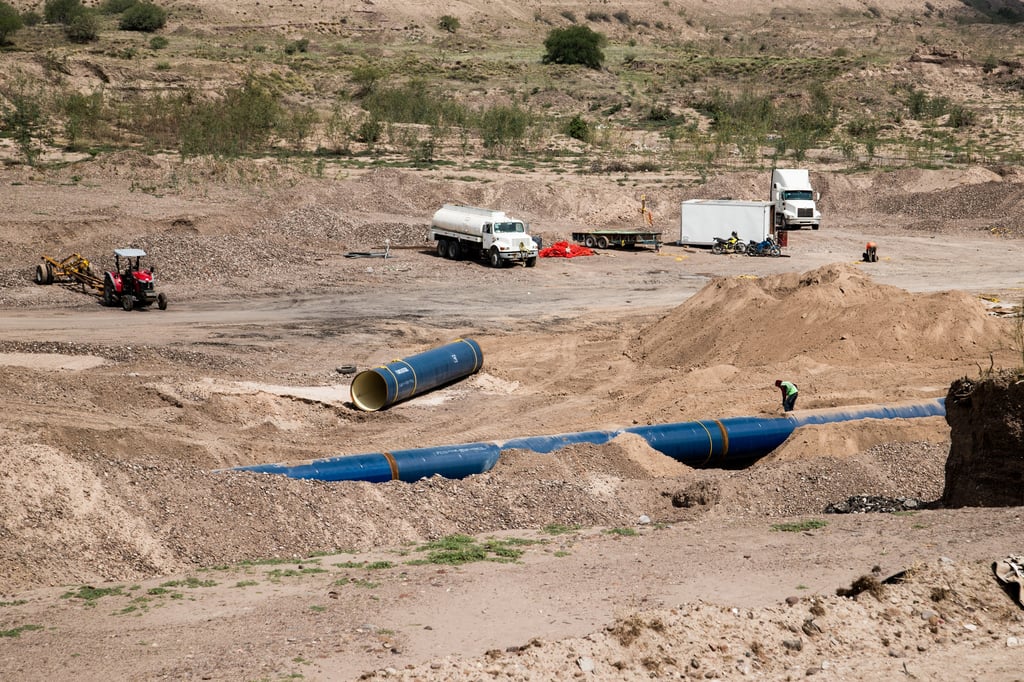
986	461
833	314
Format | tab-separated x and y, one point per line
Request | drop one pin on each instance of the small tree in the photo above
577	128
10	22
62	11
83	28
144	16
448	23
115	6
574	45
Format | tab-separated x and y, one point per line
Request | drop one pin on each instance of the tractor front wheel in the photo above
128	302
161	302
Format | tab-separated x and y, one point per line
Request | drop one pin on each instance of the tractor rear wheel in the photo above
127	302
161	302
108	291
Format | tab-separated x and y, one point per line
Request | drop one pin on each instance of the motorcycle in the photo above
768	247
731	245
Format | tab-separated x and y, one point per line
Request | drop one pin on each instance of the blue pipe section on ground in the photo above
721	443
381	386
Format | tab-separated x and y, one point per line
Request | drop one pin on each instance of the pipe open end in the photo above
369	391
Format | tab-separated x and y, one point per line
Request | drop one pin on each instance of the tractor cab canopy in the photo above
128	254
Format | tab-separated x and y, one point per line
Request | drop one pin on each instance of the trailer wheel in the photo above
589	241
494	258
602	242
442	248
454	250
161	302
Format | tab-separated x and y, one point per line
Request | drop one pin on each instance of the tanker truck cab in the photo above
482	233
794	200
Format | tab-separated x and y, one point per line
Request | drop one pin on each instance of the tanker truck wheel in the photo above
530	262
454	250
442	248
494	258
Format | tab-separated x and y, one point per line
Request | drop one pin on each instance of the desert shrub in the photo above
10	22
574	45
143	16
596	16
22	118
990	64
366	77
568	15
158	43
83	28
31	17
83	115
503	126
62	11
622	16
960	117
115	6
448	23
413	102
577	128
243	121
300	45
369	130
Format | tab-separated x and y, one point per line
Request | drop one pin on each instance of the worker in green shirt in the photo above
789	392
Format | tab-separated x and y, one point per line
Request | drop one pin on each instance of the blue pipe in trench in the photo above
713	443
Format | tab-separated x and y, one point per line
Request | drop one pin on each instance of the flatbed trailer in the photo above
602	239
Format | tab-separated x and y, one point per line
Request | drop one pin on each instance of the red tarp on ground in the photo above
565	250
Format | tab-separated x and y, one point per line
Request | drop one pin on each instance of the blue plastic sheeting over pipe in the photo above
381	386
730	442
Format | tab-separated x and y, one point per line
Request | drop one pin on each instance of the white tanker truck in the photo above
481	233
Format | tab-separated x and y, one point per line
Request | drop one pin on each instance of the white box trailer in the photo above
701	220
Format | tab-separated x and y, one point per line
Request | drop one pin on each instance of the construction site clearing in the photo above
130	548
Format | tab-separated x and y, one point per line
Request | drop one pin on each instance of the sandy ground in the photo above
122	555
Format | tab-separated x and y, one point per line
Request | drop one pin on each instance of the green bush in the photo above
448	23
62	11
116	6
10	21
300	45
574	45
242	122
31	18
143	16
414	102
366	76
577	128
502	127
158	43
83	28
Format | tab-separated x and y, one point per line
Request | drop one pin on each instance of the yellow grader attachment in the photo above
71	270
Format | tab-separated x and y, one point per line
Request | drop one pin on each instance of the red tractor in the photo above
132	286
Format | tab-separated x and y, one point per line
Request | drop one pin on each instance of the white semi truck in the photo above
482	233
794	199
701	220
